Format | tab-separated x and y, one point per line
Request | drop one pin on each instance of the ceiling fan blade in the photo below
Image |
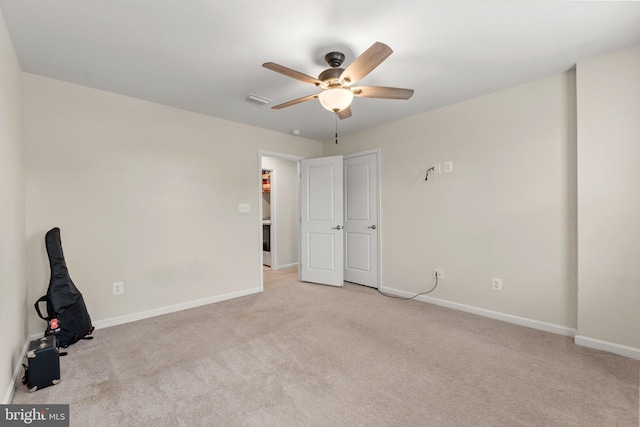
295	101
291	73
382	92
365	63
344	114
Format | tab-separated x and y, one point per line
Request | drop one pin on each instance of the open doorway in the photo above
279	211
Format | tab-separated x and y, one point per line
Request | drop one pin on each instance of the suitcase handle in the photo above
37	306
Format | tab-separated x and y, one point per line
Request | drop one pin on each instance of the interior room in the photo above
501	198
280	203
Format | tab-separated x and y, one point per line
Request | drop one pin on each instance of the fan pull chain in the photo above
336	128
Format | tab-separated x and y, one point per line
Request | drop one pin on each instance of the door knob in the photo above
337	228
373	227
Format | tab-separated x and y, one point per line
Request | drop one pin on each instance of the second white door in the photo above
361	219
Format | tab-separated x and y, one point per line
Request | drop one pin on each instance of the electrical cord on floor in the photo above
408	298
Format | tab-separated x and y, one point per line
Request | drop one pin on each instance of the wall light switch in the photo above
448	167
244	207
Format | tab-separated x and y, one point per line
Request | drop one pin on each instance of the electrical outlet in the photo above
496	284
118	288
438	273
448	167
436	167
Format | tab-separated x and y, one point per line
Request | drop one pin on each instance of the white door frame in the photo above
283	156
378	153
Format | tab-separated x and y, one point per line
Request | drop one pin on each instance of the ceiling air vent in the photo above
257	99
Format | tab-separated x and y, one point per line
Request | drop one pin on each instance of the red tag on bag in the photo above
53	324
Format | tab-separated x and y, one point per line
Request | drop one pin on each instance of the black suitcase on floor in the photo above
43	363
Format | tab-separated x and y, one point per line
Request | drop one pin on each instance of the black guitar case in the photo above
67	315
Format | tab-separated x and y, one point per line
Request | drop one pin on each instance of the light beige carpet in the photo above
300	354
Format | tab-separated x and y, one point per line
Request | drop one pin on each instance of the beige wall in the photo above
508	210
286	206
143	193
608	93
13	290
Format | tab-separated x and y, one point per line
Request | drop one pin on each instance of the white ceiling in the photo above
206	55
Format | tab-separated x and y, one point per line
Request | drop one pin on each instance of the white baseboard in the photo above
522	321
619	349
285	266
113	321
18	369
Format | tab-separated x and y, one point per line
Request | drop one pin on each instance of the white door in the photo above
321	231
361	219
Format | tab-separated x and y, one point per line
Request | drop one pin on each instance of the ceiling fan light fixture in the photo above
335	82
336	99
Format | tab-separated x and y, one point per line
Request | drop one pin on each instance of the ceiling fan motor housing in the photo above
330	75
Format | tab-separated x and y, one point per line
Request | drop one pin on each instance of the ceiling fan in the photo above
336	82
